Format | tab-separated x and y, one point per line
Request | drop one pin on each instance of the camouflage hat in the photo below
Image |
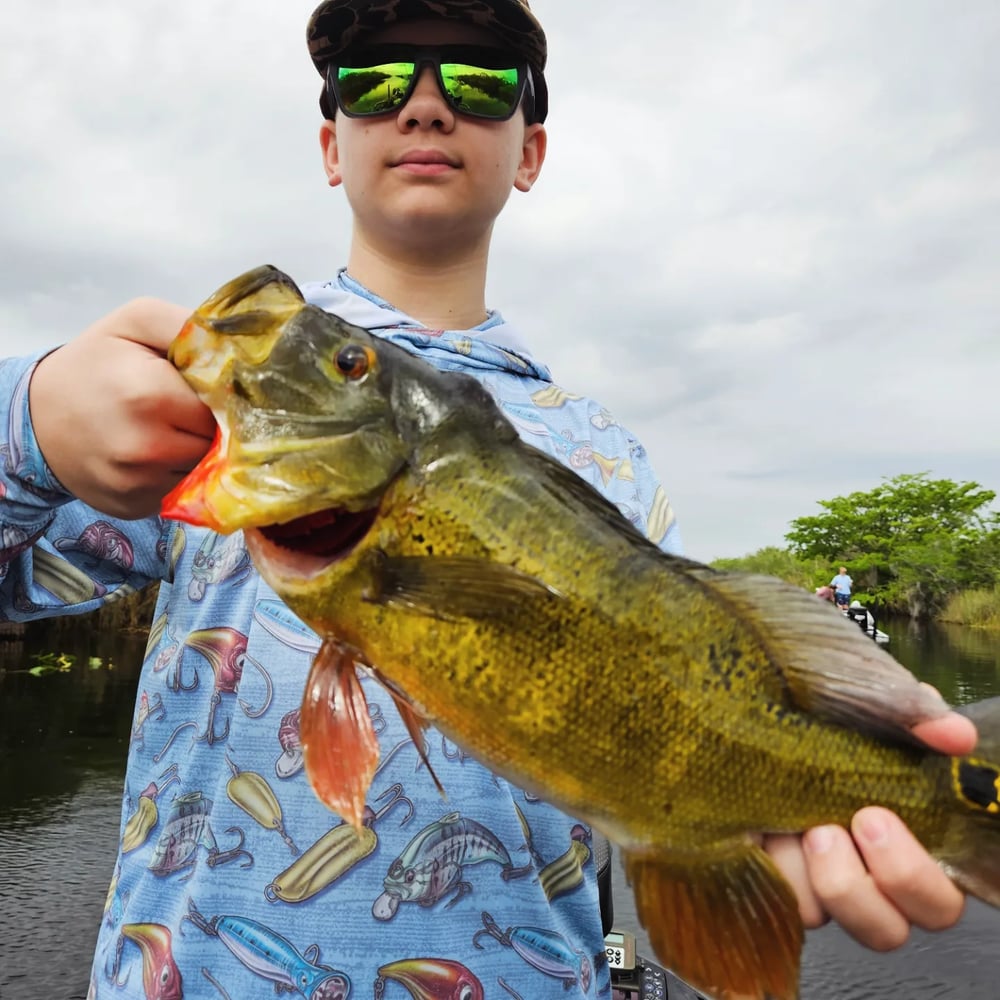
335	25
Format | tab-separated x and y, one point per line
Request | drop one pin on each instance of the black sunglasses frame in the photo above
473	55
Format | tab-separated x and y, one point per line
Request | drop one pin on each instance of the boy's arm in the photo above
100	416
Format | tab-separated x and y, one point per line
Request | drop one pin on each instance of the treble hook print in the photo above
225	649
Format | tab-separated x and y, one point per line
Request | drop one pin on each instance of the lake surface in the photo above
64	737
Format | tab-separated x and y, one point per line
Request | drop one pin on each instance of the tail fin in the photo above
971	851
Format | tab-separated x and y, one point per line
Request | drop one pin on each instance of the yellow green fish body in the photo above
504	601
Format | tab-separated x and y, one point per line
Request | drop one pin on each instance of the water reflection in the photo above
63	739
962	663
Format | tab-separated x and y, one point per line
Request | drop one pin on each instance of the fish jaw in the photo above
190	499
304	405
294	557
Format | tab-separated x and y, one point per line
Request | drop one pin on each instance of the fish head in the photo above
303	404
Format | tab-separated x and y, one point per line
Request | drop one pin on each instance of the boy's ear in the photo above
532	156
331	152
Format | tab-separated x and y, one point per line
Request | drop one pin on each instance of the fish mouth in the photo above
309	544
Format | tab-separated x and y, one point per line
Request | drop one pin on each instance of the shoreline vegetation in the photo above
914	546
976	608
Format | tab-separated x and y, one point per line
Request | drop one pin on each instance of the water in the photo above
64	736
63	739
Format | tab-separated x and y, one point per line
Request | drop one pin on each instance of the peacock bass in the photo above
501	599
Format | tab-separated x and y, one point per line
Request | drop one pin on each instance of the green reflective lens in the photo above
491	93
372	90
484	82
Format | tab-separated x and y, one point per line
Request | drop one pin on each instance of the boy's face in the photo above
425	171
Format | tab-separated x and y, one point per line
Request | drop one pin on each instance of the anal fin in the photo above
724	920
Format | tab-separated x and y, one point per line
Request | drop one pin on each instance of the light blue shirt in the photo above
841	583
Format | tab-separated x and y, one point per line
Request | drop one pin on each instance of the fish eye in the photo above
354	361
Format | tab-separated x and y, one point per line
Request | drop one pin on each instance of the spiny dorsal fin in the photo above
829	666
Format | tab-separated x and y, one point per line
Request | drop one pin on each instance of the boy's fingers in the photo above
952	734
787	853
904	872
848	892
152	322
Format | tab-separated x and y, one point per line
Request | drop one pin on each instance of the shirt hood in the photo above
494	345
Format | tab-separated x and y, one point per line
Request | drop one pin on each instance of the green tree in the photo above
909	543
772	561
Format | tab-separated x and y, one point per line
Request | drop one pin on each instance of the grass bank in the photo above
975	608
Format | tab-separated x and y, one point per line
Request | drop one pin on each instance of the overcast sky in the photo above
767	236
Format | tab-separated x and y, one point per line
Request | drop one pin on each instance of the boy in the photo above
241	880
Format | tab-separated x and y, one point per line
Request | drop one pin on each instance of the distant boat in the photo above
865	620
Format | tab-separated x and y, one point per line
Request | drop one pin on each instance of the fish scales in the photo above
497	596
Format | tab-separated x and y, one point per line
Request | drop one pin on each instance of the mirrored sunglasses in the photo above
475	80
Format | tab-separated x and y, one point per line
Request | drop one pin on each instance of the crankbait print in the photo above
219	559
104	543
226	651
187	828
432	864
161	979
431	979
273	957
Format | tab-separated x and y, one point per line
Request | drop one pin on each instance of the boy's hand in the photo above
116	423
876	881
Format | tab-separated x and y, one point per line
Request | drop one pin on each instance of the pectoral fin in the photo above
725	921
339	744
455	587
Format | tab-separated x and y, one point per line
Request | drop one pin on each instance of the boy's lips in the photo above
425	161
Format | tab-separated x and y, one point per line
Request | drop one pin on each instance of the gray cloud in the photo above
767	236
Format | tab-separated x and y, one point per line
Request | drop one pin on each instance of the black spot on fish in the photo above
978	784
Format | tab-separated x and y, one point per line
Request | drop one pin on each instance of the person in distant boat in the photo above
842	584
825	593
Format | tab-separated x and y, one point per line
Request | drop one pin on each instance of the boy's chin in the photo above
436	221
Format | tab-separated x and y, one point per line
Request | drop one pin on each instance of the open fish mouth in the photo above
308	544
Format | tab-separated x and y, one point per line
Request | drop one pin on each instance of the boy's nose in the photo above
427	106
